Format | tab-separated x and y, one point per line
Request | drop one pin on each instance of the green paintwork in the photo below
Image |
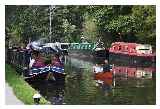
82	46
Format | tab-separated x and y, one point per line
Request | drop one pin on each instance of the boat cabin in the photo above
88	52
131	48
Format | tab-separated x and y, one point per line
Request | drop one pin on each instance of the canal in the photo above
125	85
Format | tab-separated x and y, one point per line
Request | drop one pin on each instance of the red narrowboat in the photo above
131	53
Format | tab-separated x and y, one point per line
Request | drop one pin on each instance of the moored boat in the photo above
88	52
131	53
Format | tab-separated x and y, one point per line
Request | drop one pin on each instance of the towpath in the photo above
10	98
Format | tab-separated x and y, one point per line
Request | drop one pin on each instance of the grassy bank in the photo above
21	89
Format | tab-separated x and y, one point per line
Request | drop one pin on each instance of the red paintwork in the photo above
131	71
106	77
39	62
128	49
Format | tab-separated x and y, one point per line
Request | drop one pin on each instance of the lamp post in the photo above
51	7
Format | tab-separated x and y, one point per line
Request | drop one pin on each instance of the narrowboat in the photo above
131	53
52	66
89	52
38	62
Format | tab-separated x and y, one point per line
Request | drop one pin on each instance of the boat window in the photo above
114	48
126	48
64	46
143	49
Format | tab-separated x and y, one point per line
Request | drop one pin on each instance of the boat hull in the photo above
124	59
49	76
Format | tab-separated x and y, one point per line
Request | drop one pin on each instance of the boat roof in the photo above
126	43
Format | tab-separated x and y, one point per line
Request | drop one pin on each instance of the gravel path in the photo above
10	98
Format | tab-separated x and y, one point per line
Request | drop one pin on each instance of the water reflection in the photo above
104	81
123	85
127	75
52	91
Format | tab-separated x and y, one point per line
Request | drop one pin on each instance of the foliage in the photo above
90	28
27	22
69	23
125	23
146	16
68	30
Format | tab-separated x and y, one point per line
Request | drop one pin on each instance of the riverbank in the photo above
10	98
22	90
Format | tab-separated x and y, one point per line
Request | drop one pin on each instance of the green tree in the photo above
146	17
90	31
69	23
68	30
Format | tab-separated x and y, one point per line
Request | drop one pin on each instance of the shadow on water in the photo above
51	90
124	85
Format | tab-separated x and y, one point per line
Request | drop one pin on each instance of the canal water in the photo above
125	85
